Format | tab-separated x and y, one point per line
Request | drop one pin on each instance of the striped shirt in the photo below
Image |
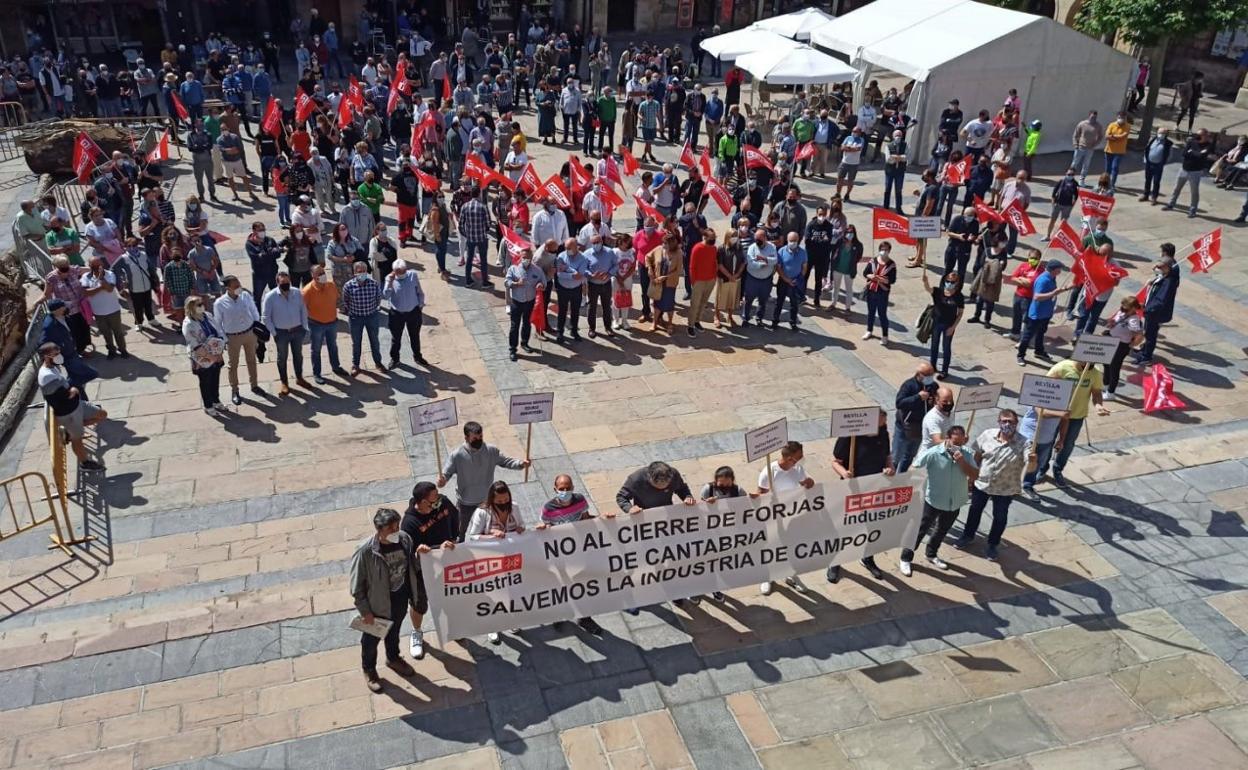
576	509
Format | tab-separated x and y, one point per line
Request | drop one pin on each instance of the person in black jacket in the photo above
432	522
818	251
652	487
1158	309
1198	156
914	398
1156	156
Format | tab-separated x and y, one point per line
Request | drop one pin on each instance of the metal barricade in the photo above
12	118
36	261
69	196
27	512
60	480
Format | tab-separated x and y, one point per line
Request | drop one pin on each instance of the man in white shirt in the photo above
369	72
938	419
100	286
977	133
516	160
786	474
236	313
549	224
594	207
851	157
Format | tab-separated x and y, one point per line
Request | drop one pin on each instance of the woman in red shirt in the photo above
1023	277
703	267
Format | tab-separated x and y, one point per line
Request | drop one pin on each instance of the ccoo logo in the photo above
881	498
479	569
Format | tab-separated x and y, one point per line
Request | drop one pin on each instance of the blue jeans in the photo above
1068	446
893	181
948	198
360	324
1034	329
1112	161
1087	322
1000	516
904	449
877	307
938	334
1080	161
289	344
1152	179
1152	326
470	249
1044	452
439	255
793	294
327	334
283	209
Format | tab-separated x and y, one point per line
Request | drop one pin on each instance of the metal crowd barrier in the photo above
36	261
12	118
27	512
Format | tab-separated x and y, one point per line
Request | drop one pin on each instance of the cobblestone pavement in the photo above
207	626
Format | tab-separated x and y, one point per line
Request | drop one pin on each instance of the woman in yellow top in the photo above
1116	135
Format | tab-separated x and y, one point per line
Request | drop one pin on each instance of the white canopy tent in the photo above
731	45
974	52
797	25
796	66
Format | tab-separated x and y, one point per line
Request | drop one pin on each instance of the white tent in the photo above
974	52
796	66
730	45
798	24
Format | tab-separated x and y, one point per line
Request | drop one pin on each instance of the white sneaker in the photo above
417	645
211	412
764	589
937	562
883	340
796	584
867	335
905	568
493	637
1108	395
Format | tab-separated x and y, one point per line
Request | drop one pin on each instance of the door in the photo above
620	16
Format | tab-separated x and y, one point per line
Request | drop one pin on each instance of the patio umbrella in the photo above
798	24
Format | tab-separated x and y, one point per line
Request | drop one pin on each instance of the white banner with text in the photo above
610	564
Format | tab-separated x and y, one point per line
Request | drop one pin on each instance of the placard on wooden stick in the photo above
854	422
1095	350
432	417
1052	393
761	442
972	398
526	409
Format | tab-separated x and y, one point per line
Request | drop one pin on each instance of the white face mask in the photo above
322	278
392	538
526	263
58	359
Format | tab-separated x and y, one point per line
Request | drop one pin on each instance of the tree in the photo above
1153	24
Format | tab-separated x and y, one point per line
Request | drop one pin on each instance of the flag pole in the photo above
853	447
771	479
528	444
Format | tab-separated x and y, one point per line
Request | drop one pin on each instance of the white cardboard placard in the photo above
528	408
974	398
761	442
434	415
1046	392
1095	350
924	227
856	421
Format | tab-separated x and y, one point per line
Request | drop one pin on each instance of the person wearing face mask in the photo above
431	522
1158	305
871	457
791	268
286	317
472	465
760	266
73	413
647	238
407	301
57	329
549	223
179	278
1040	312
622	282
949	467
986	286
205	342
602	264
880	273
1023	280
568	506
439	223
1065	196
948	304
1001	455
385	573
521	281
321	298
237	315
786	474
496	518
703	267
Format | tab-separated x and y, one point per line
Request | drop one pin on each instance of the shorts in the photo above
234	168
74	424
1062	212
648	134
847	172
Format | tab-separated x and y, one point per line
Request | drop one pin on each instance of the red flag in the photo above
217	237
581	180
515	243
889	225
344	112
271	123
87	155
475	169
1067	240
501	179
427	181
719	195
179	107
1095	205
610	197
161	150
805	151
538	317
304	107
529	182
1159	391
557	191
985	213
631	166
704	163
1091	270
402	86
958	173
1208	251
355	94
1141	296
446	88
612	171
648	210
1018	218
400	70
686	157
755	159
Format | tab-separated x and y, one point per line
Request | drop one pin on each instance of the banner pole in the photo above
437	449
771	479
969	423
528	443
853	451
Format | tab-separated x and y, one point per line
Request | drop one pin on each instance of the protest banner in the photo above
433	417
528	408
854	422
604	565
765	440
972	398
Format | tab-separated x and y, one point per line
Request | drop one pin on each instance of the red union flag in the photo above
631	166
475	169
1095	205
355	94
958	173
612	171
686	157
446	88
87	154
427	181
161	150
704	163
530	182
344	113
610	197
1067	240
1018	218
1159	391
1141	296
889	225
1207	251
1092	271
648	210
719	195
985	213
805	151
271	123
515	242
179	107
555	189
304	107
755	159
402	86
581	180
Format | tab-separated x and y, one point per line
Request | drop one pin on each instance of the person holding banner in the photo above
495	518
784	475
431	522
950	469
1001	455
871	456
472	466
565	507
385	575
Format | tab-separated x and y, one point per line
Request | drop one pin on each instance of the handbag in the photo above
926	321
84	307
622	299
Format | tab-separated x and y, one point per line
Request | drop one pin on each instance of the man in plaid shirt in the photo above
362	298
474	228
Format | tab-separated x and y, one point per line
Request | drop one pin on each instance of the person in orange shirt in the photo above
1116	135
703	269
320	297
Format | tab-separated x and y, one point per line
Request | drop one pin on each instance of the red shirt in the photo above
703	261
644	243
1031	274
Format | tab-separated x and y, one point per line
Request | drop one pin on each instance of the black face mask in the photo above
283	287
503	507
476	443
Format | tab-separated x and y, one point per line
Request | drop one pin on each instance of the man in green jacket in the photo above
606	119
384	577
803	132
